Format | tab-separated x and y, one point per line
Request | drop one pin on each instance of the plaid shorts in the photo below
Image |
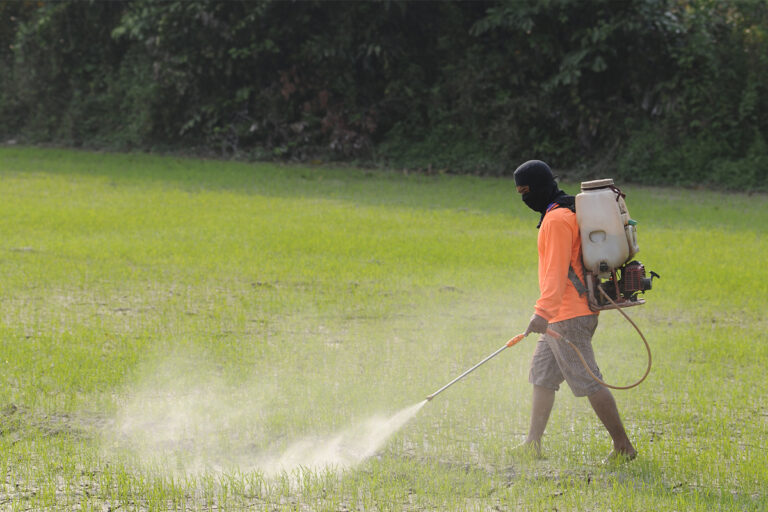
555	361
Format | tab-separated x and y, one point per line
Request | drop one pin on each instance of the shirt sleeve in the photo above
555	241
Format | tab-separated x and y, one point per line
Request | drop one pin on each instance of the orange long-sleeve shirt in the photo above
560	247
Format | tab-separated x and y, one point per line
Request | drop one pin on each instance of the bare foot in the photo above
620	456
527	449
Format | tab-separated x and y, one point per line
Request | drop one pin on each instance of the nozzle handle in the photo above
515	340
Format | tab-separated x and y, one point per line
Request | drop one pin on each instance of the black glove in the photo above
538	324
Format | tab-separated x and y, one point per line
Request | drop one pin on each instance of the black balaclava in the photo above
543	188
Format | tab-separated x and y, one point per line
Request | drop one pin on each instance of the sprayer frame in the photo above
593	281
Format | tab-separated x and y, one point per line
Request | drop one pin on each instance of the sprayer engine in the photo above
623	285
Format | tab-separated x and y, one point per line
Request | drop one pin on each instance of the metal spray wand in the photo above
511	342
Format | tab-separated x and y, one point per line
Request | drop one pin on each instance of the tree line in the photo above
650	91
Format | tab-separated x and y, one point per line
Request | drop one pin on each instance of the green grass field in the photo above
170	328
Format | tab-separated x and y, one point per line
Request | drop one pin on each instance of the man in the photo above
562	309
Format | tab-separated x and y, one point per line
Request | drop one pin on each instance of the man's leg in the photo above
579	332
545	375
543	400
605	407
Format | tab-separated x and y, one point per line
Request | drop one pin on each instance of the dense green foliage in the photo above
651	90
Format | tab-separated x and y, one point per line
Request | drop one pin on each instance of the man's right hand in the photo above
537	324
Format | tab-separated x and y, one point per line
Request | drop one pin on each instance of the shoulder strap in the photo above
577	283
566	201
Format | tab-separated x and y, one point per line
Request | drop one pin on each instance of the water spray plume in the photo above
179	430
510	343
200	429
343	450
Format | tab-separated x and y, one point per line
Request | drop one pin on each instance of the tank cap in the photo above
591	185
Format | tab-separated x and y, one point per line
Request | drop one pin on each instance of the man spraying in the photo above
562	309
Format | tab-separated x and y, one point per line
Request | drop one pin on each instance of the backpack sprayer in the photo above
608	242
611	280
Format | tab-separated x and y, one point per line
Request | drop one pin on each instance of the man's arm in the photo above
554	260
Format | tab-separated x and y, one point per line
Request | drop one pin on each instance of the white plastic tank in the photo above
608	236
